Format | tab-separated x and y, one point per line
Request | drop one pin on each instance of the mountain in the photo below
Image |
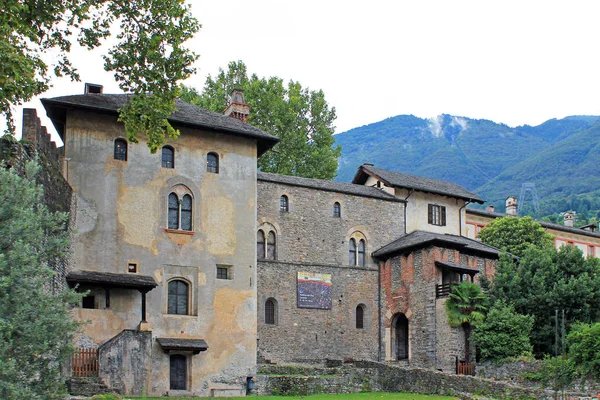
560	156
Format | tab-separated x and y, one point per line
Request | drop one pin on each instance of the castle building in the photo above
197	266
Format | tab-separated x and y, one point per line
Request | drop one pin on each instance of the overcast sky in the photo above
515	62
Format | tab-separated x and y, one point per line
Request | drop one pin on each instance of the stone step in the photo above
86	386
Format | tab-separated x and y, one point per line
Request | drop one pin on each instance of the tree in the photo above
148	61
36	327
515	235
300	117
504	333
583	343
466	308
544	280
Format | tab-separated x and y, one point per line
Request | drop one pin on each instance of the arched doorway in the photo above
399	337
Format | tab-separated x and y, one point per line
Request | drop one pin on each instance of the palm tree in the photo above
466	308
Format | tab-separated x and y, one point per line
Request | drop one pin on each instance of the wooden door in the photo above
178	372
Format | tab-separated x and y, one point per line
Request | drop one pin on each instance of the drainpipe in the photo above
460	217
405	204
379	311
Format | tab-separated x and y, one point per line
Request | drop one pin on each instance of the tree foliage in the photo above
300	117
583	343
149	59
504	333
36	327
466	308
544	280
516	235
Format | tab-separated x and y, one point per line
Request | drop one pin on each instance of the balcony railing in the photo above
443	290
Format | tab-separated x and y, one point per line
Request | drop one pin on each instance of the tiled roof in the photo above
182	344
419	239
547	225
186	114
330	186
128	281
400	180
452	266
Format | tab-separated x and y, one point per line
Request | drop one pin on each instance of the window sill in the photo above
179	315
179	231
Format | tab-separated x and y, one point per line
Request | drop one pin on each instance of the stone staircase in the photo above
87	386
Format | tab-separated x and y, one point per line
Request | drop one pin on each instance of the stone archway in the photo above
400	343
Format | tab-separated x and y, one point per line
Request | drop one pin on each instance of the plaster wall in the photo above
122	218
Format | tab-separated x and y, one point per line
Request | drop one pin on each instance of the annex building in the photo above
197	266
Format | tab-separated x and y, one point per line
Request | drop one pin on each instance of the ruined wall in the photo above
311	239
122	219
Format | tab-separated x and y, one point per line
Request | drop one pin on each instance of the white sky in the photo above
516	62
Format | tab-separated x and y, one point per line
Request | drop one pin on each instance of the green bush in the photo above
504	334
583	343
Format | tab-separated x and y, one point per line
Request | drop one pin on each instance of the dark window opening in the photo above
337	210
271	246
270	312
361	253
168	157
186	213
120	152
173	211
360	315
284	205
132	268
223	273
260	245
436	215
88	302
352	252
180	212
178	298
212	163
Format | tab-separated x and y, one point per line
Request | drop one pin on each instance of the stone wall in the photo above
125	362
311	239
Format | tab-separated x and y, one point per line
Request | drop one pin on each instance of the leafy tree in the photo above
148	61
466	308
515	235
544	280
583	343
504	333
300	117
36	327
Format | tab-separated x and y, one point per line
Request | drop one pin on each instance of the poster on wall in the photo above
314	290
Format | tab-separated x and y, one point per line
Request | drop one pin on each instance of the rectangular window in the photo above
88	302
591	251
224	272
436	215
132	268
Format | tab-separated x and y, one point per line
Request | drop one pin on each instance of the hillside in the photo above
559	156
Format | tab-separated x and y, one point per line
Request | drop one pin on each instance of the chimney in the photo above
568	219
92	88
511	205
237	107
489	208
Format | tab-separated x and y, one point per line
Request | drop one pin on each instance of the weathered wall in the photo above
125	362
310	239
122	218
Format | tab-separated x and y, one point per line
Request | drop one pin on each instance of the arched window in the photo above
120	152
173	211
168	157
212	163
361	253
271	246
352	252
271	311
180	210
337	210
360	316
178	298
260	245
284	205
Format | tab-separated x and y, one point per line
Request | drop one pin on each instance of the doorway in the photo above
178	372
400	337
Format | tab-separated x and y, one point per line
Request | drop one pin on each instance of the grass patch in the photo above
350	396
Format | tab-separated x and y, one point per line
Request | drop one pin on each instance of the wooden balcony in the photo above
443	290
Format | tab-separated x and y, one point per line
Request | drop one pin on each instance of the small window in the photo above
591	251
260	245
168	157
224	272
436	215
271	311
337	210
361	253
132	268
120	152
178	298
212	163
284	205
88	302
271	246
352	252
360	316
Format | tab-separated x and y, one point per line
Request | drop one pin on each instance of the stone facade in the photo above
311	239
